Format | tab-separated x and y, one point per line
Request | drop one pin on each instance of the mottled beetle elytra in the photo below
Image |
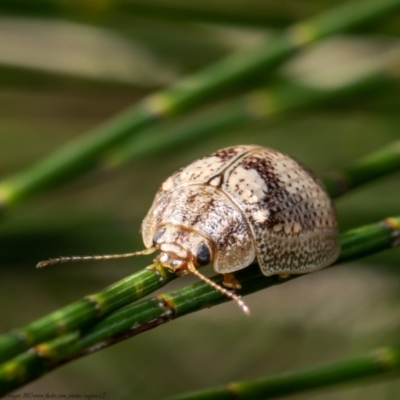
236	205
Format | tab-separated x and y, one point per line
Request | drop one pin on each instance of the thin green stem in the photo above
188	11
147	314
86	311
365	170
376	363
262	103
82	154
271	14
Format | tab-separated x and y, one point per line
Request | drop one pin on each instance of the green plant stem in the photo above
193	11
366	169
86	311
147	314
82	154
376	363
272	15
258	104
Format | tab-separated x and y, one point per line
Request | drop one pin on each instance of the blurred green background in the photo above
66	67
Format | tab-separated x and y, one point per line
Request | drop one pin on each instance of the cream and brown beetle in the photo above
236	205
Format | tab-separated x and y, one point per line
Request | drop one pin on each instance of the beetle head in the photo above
180	245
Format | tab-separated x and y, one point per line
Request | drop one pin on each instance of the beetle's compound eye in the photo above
203	254
157	236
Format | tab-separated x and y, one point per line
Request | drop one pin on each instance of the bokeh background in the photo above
66	68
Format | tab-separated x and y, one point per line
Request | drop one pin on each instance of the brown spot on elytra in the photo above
226	154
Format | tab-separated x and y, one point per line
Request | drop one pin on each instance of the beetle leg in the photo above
231	282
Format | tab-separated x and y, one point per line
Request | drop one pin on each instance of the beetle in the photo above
234	206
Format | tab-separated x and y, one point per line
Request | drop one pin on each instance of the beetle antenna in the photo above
220	289
60	260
